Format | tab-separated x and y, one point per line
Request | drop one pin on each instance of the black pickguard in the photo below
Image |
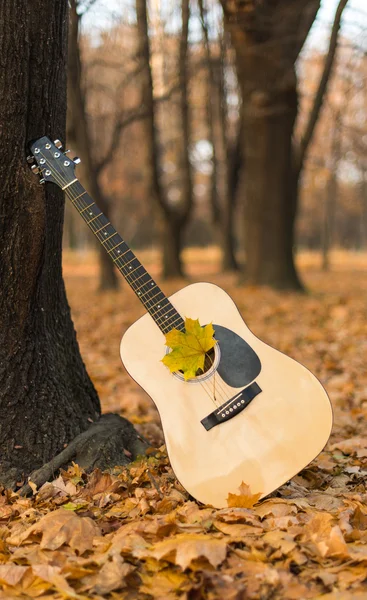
239	365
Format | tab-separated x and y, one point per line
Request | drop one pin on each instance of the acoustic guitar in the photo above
251	415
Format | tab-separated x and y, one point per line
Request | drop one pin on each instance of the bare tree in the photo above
174	217
268	38
79	135
330	201
223	188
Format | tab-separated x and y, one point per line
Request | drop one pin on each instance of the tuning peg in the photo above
77	160
66	151
35	169
58	144
30	159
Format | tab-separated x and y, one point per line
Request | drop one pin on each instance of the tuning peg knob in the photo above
30	159
35	169
58	144
77	160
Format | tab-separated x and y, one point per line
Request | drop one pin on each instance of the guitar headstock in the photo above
48	161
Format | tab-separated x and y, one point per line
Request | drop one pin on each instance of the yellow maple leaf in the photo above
189	347
245	499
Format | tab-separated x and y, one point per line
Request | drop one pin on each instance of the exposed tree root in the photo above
111	441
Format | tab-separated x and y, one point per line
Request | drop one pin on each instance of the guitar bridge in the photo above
232	407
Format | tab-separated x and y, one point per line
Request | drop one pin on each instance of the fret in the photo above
130	261
96	217
172	325
151	288
152	297
117	245
77	198
131	270
103	226
170	310
140	276
87	207
148	292
106	239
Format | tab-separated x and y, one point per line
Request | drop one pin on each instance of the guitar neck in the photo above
146	289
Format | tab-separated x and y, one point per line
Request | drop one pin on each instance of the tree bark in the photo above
172	245
78	134
46	396
268	38
270	190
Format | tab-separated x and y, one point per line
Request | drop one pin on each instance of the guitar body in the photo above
263	440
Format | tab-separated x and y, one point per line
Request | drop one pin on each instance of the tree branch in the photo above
124	121
320	94
120	125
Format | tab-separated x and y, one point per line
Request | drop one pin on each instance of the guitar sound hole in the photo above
211	363
208	363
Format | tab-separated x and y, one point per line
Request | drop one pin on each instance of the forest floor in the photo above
135	533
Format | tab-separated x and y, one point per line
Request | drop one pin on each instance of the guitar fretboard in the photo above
146	289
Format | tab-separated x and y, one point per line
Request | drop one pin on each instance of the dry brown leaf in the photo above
164	585
275	507
109	578
245	499
11	574
52	574
238	530
61	527
184	548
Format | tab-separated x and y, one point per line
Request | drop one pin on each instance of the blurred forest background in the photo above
185	117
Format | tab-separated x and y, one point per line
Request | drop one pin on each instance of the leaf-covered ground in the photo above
136	534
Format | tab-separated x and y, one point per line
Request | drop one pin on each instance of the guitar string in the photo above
129	274
109	247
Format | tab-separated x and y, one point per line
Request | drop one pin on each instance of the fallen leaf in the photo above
184	548
61	527
189	348
12	574
245	499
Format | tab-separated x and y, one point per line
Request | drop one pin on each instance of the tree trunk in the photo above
331	195
46	396
173	220
268	38
78	133
270	190
235	165
172	243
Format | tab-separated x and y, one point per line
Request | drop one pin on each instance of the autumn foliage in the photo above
135	533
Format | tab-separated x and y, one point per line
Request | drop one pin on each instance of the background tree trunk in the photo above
331	193
270	189
78	135
173	219
268	38
222	200
46	396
